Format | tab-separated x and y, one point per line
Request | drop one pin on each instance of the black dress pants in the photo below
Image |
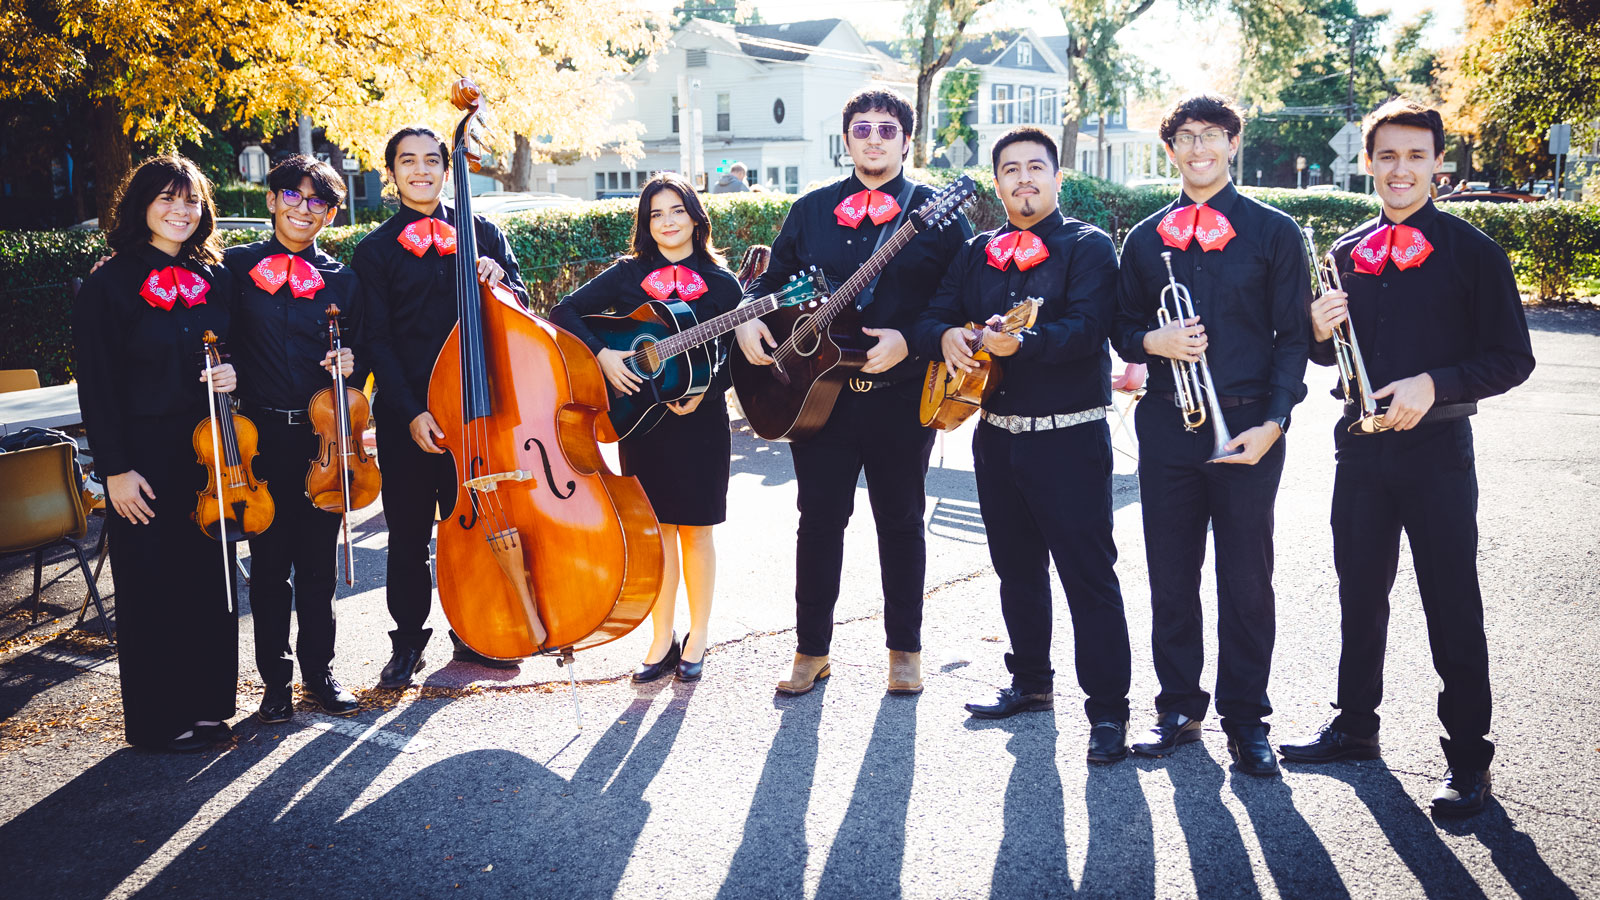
301	544
416	486
1181	494
878	432
1048	494
1424	481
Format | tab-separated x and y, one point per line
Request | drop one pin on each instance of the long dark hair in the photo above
644	245
155	176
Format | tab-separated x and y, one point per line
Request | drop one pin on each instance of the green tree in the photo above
939	28
727	11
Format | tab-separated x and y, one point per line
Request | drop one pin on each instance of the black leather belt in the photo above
864	385
1439	412
1224	402
286	416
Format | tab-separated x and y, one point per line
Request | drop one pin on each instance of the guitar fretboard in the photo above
855	284
713	328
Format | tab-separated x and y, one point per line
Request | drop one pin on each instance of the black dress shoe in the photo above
690	671
1331	744
406	662
1009	702
648	672
1108	742
1170	732
190	741
1251	751
324	691
214	734
276	706
1463	793
463	653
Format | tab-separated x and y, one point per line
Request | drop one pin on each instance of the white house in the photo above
769	96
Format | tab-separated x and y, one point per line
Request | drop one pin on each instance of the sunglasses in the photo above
886	130
316	205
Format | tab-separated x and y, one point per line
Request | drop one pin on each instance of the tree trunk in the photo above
110	154
1101	157
522	165
919	152
1069	143
305	128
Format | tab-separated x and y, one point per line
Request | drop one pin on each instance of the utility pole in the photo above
1350	77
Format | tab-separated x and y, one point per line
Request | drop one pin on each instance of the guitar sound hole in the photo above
806	340
644	361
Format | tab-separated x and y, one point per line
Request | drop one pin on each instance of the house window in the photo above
674	114
1049	107
639	178
611	180
1025	103
1024	54
836	154
627	181
724	112
1000	108
778	111
1116	116
791	179
694	59
599	182
772	176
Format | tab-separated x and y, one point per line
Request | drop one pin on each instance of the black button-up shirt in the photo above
1253	297
133	360
1458	316
411	304
812	236
620	289
1062	364
279	340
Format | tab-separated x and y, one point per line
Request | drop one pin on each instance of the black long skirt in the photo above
683	463
177	638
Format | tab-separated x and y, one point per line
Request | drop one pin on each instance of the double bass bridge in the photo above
492	481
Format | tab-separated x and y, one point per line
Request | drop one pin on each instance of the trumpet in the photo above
1352	371
1194	391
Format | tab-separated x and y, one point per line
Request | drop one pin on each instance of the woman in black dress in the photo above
683	461
137	325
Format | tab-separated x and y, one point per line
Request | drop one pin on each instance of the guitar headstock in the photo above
941	208
1018	318
806	285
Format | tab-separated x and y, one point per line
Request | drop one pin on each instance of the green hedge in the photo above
1550	243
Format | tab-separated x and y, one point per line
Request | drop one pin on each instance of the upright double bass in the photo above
546	549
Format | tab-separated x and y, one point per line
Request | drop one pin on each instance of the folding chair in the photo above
1128	388
41	505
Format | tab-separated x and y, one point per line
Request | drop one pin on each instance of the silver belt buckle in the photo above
860	385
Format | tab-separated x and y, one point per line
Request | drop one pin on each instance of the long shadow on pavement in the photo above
1032	861
1513	852
1217	857
868	853
1122	842
1299	863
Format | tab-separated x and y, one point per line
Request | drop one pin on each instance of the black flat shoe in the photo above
1009	702
463	653
1169	733
648	672
190	741
1463	794
405	663
1330	745
1251	751
690	671
277	706
215	734
322	690
1108	742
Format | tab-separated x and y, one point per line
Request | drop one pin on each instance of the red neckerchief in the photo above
877	205
1196	222
661	283
1024	247
163	287
429	232
273	272
1405	245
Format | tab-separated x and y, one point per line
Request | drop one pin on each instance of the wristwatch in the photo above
1282	422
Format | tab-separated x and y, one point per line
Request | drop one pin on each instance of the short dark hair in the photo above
393	147
892	102
325	182
1401	111
644	245
1027	134
1213	109
155	176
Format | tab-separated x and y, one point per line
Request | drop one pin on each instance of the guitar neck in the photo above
855	284
711	329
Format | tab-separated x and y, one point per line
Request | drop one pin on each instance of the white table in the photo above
50	407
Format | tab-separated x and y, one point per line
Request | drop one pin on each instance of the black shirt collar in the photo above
406	215
1420	220
155	259
1222	201
853	185
1043	228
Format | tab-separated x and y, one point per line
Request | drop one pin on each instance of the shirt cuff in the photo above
1323	354
1447	386
1031	346
1279	405
1135	352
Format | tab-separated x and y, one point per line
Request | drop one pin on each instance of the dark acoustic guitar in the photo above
948	400
820	345
672	352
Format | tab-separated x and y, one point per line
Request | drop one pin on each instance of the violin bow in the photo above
221	460
342	404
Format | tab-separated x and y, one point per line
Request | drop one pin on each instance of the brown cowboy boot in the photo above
905	672
808	670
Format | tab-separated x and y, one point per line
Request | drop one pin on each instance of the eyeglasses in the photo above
1211	137
886	130
316	205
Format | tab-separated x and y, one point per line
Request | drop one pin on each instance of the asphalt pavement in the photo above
479	783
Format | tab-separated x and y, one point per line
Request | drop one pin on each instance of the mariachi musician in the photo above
137	325
874	423
1042	453
285	285
407	272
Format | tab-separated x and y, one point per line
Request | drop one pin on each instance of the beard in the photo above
1027	208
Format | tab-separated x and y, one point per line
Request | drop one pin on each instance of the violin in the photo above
545	549
343	476
235	505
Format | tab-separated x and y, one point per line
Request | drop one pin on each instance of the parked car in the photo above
224	223
502	203
1486	196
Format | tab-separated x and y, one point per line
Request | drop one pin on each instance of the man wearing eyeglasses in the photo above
874	425
285	285
1245	269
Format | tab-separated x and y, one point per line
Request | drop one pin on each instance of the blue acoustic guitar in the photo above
672	351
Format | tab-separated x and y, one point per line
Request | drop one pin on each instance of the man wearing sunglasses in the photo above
874	424
1245	269
284	287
